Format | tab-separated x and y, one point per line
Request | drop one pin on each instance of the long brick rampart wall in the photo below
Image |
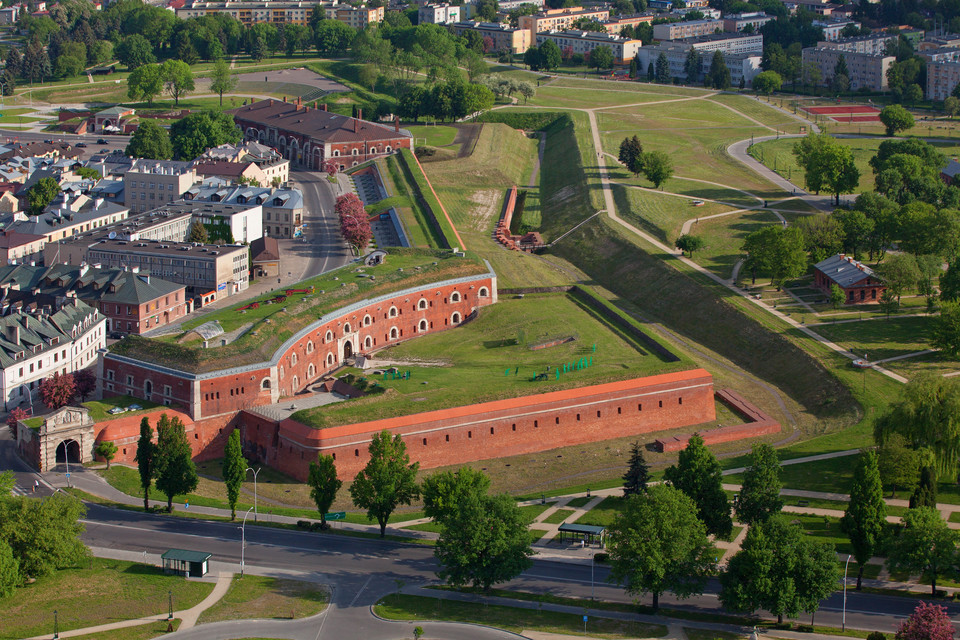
495	429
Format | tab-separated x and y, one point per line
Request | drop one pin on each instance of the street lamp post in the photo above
592	558
255	472
170	605
243	538
843	626
56	625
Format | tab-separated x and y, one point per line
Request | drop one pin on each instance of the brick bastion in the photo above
219	401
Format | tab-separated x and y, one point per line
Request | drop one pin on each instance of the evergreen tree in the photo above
198	233
840	69
692	66
759	497
651	74
663	69
631	155
176	473
719	73
234	470
697	474
638	472
867	512
925	495
9	571
144	460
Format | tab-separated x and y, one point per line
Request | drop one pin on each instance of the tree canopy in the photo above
173	460
194	134
866	513
926	546
387	481
697	474
324	484
759	496
150	140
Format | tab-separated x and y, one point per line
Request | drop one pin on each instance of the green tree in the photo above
925	495
822	235
221	81
144	458
44	535
550	55
759	496
900	273
689	243
827	164
776	251
631	155
173	460
145	82
41	194
780	570
925	546
927	415
324	485
198	233
767	82
888	303
333	38
601	58
196	133
697	474
951	106
719	75
638	472
946	329
106	450
657	544
899	464
178	79
896	119
444	490
150	140
388	479
840	69
10	577
837	296
134	51
662	73
657	167
691	66
234	470
866	512
950	281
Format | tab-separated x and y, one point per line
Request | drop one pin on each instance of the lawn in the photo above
99	409
760	111
710	634
434	136
604	513
263	597
661	214
881	339
833	475
99	592
514	619
140	632
558	516
490	359
724	237
778	155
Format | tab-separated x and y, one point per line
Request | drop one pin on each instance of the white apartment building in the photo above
692	29
743	65
864	69
942	79
35	346
832	28
740	21
583	42
147	185
439	14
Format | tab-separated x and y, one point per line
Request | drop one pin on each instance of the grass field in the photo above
558	516
140	632
99	592
778	155
723	239
881	339
99	409
406	607
434	136
469	363
661	214
263	597
603	514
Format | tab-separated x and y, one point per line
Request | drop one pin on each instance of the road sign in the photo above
68	474
336	515
584	618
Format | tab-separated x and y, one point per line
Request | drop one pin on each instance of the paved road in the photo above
364	570
324	248
113	142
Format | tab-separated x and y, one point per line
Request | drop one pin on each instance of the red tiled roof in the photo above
222	168
315	123
10	239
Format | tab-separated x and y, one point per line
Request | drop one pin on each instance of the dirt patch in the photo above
482	215
467	135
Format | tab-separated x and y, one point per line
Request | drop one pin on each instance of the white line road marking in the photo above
352	602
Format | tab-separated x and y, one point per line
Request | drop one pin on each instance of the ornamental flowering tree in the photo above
927	622
354	223
330	167
85	383
14	417
57	391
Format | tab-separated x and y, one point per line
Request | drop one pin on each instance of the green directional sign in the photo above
336	515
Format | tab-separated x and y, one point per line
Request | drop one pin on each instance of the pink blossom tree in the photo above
330	167
57	391
354	222
927	622
15	416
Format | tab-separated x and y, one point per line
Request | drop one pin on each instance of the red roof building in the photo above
310	136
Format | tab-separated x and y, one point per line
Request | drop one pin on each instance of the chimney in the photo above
359	114
396	124
12	331
323	106
356	125
284	98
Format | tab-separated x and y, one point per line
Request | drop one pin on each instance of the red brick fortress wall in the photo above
757	424
496	429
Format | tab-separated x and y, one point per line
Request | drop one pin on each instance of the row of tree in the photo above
655	165
187	139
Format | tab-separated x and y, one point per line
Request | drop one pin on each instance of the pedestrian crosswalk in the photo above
17	491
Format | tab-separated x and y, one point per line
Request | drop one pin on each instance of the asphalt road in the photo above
324	248
364	570
113	142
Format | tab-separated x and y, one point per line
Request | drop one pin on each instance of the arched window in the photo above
455	297
455	318
422	326
422	304
367	342
393	333
147	388
329	359
281	372
387	149
373	150
296	383
336	153
367	320
311	371
355	163
309	346
328	337
293	360
483	292
346	328
355	152
265	383
392	313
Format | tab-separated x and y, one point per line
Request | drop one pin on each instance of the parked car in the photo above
81	145
102	141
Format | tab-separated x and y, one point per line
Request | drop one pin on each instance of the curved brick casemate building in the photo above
218	401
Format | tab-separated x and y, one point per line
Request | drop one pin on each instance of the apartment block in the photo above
583	42
742	65
942	79
505	37
832	28
148	185
866	70
438	14
692	29
359	17
616	24
739	21
272	11
559	19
